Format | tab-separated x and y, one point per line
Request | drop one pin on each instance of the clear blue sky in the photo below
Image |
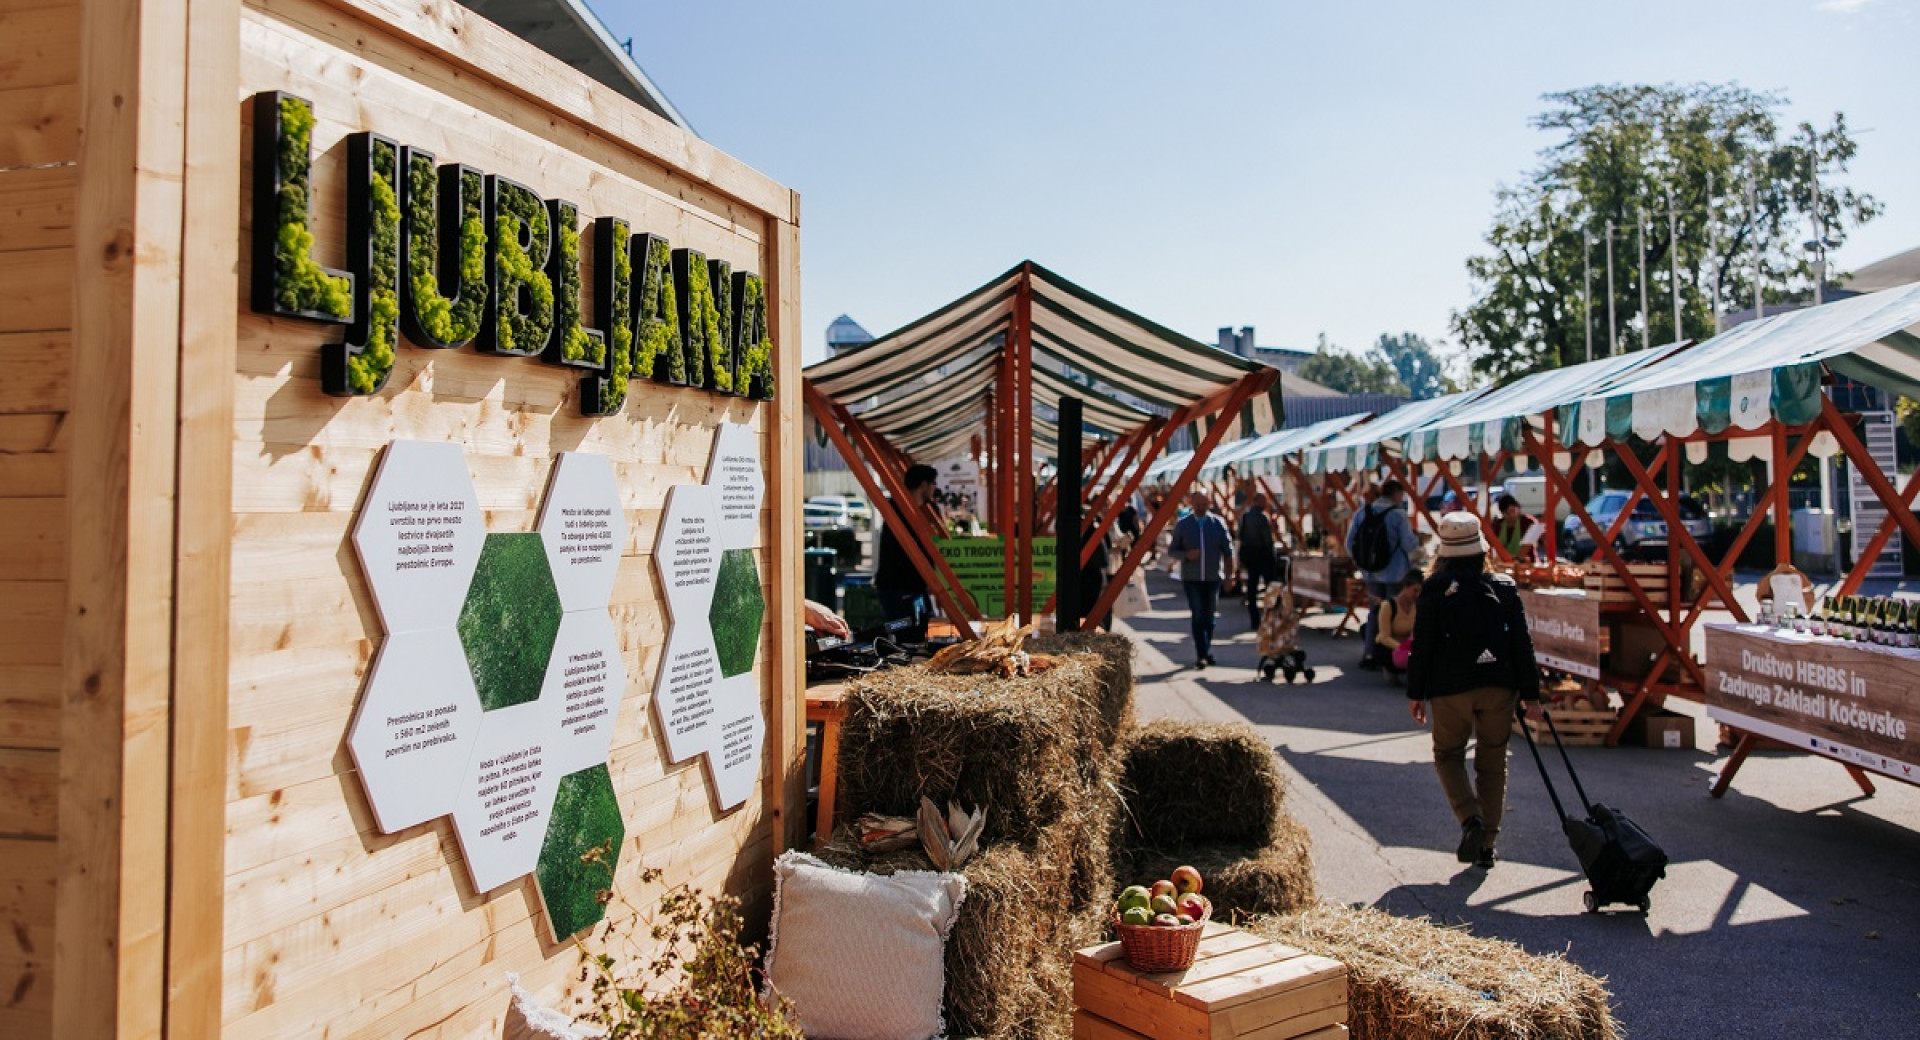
1295	167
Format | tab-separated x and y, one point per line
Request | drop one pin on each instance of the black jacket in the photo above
893	568
1459	615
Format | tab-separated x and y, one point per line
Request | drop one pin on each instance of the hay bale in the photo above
1010	954
1413	980
1022	747
1115	705
1192	783
1241	883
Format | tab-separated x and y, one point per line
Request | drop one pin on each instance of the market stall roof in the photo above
1170	463
1358	448
1121	364
1262	454
1761	370
1493	422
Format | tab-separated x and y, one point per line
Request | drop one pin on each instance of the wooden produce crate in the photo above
1577	728
1602	580
1240	986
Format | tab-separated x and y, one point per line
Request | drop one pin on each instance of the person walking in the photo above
897	584
1472	660
1381	542
1256	553
1205	550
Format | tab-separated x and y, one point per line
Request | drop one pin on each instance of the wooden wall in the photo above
182	649
330	927
38	176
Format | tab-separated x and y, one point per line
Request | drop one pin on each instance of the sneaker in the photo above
1473	836
1487	858
1200	662
1208	660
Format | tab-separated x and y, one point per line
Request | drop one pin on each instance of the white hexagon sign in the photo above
419	535
584	530
707	695
506	795
414	731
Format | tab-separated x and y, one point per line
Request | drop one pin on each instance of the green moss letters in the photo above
753	346
287	281
361	364
701	334
571	343
519	317
444	251
605	392
662	353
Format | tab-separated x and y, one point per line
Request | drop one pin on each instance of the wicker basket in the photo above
1156	948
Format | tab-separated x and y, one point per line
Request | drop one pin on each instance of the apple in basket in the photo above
1186	880
1166	888
1165	906
1135	896
1136	915
1166	921
1193	905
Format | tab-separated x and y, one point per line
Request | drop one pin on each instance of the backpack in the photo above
1479	632
1373	542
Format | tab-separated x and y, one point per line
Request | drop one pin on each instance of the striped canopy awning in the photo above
1492	424
1262	454
1359	448
926	386
1760	371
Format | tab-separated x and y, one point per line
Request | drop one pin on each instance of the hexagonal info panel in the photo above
734	474
505	796
738	609
419	535
586	817
683	696
586	679
511	616
415	729
687	553
584	529
734	760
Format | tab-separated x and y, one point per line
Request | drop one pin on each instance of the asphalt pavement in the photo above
1791	908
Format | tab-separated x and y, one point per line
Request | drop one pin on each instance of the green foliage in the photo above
300	285
1415	363
703	339
509	620
738	608
702	985
1335	368
1908	411
659	317
754	377
575	345
367	369
450	321
720	342
522	292
586	817
1622	151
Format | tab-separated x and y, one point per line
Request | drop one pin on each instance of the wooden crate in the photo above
1611	587
1577	728
1240	986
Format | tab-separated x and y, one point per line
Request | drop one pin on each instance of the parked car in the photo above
836	511
1643	536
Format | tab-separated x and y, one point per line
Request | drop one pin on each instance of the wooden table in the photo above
824	707
1240	985
1855	703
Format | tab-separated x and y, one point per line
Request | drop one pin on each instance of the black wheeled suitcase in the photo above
1621	861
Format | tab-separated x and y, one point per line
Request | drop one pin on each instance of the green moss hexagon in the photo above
738	609
586	816
508	623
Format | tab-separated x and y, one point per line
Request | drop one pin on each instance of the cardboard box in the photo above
1659	728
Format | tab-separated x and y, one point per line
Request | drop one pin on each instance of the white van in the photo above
1530	490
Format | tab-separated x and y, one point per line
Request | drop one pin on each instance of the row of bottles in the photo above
1880	620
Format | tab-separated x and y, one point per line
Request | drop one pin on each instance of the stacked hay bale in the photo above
1211	796
1037	752
1413	980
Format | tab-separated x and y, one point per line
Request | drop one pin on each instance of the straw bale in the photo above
1025	748
1414	980
1115	670
1192	783
1241	883
1009	956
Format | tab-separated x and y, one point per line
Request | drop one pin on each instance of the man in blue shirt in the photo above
1205	550
1384	583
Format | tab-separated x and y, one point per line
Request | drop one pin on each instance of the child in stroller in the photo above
1280	631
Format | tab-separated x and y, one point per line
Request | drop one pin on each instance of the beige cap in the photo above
1461	535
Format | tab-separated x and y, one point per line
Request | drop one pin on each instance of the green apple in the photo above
1136	915
1135	896
1165	905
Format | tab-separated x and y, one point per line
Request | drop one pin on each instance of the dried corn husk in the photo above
952	839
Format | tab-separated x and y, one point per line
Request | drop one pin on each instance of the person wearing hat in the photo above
1472	660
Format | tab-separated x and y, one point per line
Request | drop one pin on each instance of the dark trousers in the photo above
1203	600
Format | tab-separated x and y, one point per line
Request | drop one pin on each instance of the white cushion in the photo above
862	956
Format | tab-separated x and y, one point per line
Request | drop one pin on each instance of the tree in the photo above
1418	366
1336	369
1624	151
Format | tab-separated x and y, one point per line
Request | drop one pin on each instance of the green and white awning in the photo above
1359	448
1493	423
1760	371
926	385
1262	454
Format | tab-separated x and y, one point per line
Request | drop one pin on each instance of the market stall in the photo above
405	504
985	373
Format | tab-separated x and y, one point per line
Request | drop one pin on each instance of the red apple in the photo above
1183	919
1166	888
1165	905
1193	905
1186	880
1166	921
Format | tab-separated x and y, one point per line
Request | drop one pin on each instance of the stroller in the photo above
1280	631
